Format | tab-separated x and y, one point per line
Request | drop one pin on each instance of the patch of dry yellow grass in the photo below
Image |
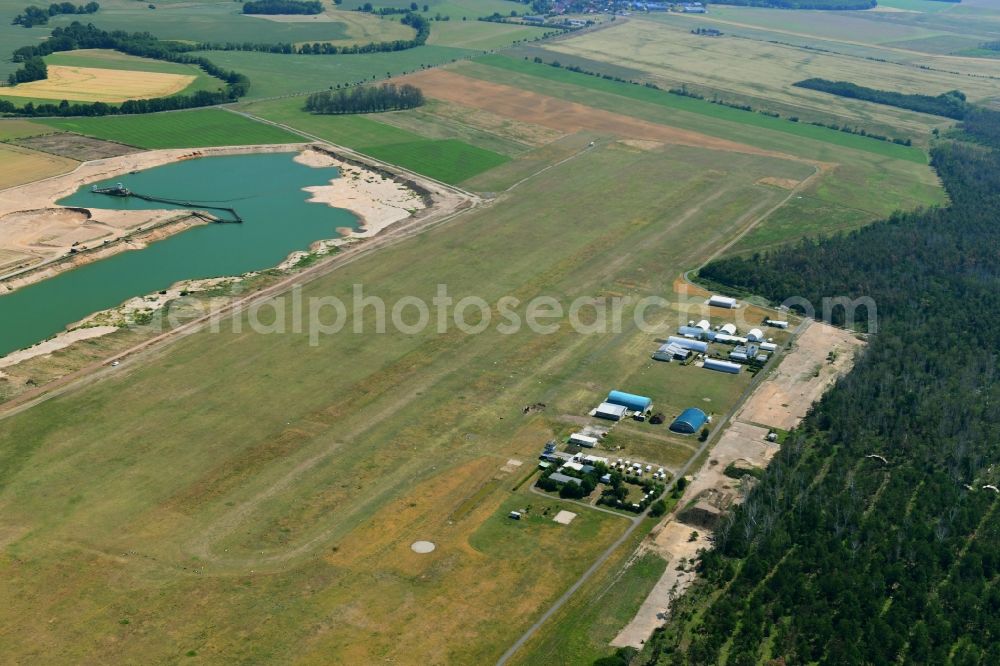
93	84
20	165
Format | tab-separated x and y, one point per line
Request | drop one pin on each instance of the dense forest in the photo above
33	15
282	7
841	557
79	36
366	99
951	104
806	4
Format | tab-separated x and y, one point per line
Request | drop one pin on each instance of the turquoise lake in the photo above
265	189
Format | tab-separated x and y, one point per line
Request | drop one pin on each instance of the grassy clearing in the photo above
294	483
702	107
20	165
182	129
88	84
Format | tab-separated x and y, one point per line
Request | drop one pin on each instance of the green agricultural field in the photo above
179	129
447	159
218	499
272	74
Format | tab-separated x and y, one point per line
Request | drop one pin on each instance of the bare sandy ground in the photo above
54	344
378	201
802	378
781	401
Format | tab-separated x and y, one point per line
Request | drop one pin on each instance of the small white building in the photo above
722	301
583	440
755	335
606	410
728	329
768	346
776	323
703	325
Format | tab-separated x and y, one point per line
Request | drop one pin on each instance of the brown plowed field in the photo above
561	115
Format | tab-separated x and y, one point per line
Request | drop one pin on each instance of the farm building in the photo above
606	410
669	352
722	366
776	323
687	343
563	478
637	403
738	356
728	329
556	456
722	301
755	335
690	421
704	325
726	339
768	346
583	440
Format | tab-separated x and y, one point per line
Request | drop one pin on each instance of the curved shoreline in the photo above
379	197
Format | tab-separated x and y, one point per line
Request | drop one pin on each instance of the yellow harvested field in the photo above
93	84
20	165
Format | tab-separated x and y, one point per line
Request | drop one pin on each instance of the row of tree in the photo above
33	69
283	7
34	15
415	21
366	99
839	557
951	104
142	44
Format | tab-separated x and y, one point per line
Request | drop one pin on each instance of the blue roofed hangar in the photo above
690	421
636	403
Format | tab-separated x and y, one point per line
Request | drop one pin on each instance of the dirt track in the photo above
558	114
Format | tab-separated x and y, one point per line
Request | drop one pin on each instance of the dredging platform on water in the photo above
119	190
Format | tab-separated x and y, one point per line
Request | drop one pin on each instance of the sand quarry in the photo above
781	401
38	238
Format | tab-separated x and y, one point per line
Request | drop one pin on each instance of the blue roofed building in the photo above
690	421
637	403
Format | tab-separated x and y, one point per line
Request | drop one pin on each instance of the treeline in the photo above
33	15
683	91
33	69
282	7
415	21
366	99
951	104
142	44
807	4
838	557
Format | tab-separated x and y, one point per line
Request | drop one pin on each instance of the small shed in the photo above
606	410
722	366
637	403
722	301
690	421
515	515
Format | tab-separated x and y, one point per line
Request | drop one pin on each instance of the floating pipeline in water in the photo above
119	190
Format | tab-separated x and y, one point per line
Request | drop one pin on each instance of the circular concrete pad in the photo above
422	547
